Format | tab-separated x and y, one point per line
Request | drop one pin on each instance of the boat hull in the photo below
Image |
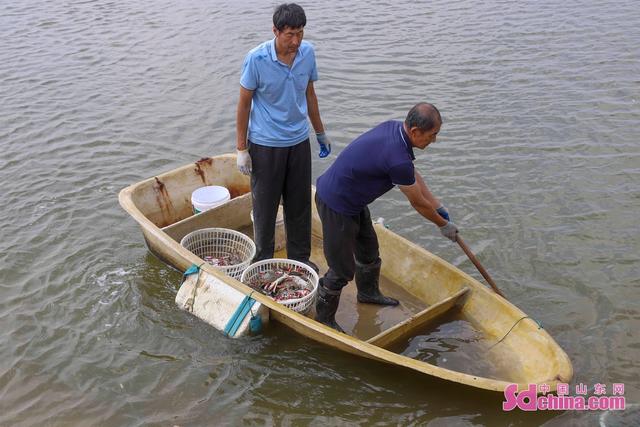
525	352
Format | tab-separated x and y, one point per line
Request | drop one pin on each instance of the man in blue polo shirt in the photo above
276	98
370	166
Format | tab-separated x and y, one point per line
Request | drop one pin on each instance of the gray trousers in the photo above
281	172
346	236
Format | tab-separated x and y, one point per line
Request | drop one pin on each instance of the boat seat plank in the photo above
233	214
406	328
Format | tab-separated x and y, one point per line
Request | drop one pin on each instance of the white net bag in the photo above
227	250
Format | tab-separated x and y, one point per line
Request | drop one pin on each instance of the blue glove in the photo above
325	144
444	213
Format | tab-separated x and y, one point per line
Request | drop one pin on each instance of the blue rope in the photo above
193	269
238	316
255	323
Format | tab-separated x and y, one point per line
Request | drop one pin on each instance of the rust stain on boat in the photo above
164	201
238	190
205	164
199	168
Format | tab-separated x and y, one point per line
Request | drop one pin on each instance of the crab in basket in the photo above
282	284
224	260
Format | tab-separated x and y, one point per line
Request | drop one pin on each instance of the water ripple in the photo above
537	161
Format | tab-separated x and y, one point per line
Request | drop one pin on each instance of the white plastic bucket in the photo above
280	237
205	198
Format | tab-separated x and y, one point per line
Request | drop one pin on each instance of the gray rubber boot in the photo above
327	305
367	281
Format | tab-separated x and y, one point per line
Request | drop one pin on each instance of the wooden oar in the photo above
479	266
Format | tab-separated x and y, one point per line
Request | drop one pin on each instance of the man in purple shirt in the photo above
370	166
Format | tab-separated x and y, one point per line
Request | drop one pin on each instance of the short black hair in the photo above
424	116
289	15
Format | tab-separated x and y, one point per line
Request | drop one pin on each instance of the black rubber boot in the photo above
367	281
312	264
327	305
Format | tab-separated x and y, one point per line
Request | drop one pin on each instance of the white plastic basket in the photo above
221	242
301	305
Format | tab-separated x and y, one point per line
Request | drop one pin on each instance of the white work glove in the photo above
450	231
244	162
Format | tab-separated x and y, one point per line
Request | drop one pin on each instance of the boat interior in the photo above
445	317
429	326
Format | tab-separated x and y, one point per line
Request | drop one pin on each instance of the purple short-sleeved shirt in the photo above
369	167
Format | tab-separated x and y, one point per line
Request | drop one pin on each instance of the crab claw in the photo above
273	285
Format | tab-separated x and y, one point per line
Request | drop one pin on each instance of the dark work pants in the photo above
281	172
346	236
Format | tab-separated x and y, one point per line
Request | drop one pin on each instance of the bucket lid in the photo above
210	194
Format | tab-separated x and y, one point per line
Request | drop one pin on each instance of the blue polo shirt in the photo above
369	167
279	106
